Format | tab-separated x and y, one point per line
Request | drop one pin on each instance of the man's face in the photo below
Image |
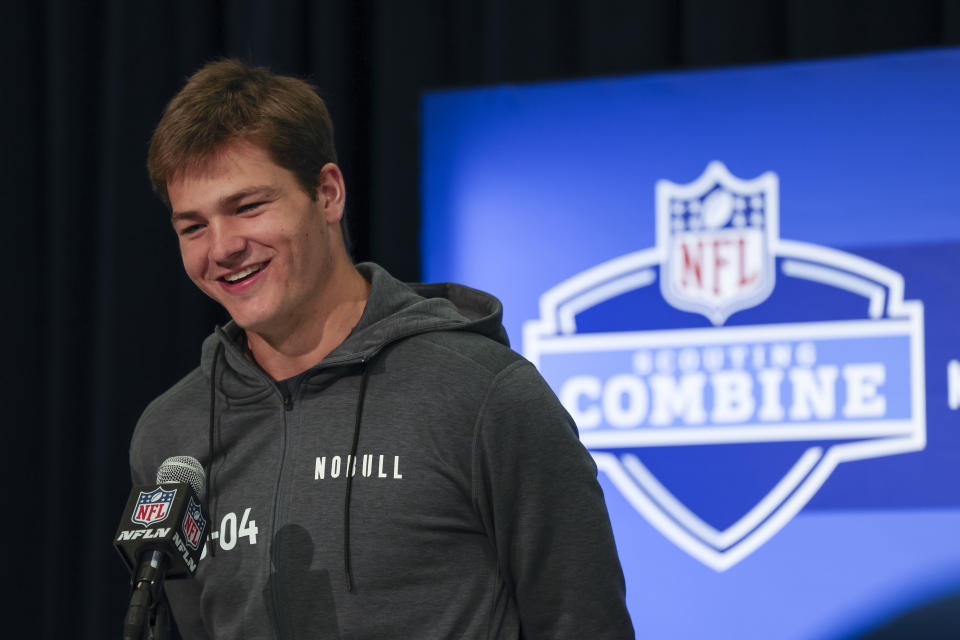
253	240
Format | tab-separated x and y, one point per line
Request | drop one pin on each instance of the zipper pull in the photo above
285	395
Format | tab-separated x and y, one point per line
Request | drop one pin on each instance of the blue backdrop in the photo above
774	429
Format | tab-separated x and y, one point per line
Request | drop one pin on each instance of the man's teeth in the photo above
240	275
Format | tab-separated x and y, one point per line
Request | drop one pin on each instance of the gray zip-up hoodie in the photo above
422	482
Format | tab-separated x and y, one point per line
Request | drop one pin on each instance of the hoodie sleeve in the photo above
536	489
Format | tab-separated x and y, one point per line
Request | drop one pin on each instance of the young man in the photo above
379	463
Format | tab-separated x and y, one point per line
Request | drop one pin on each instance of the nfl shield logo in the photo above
720	435
153	506
193	524
716	236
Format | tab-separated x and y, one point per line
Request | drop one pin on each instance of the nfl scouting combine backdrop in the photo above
742	286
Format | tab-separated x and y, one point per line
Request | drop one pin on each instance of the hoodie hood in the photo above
393	311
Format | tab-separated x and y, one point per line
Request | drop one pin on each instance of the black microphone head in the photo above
183	469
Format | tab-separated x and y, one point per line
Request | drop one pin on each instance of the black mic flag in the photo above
161	534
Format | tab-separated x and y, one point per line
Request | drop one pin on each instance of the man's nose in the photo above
227	245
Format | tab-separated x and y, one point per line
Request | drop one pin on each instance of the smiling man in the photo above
380	464
272	253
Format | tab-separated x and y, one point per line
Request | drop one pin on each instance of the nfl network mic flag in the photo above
168	518
741	283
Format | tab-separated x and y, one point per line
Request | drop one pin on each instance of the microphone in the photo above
161	535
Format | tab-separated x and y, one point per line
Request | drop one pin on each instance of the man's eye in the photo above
193	228
249	207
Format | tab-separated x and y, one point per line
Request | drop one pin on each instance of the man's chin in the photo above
247	324
247	321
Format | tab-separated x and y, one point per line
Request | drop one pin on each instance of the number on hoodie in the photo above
248	529
228	535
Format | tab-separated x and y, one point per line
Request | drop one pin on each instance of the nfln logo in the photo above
720	432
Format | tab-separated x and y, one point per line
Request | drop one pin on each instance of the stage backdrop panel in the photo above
742	285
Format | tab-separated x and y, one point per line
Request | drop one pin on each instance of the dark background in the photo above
98	315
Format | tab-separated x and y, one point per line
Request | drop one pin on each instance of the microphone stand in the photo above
147	604
160	628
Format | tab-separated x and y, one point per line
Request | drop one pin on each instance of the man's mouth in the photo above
243	274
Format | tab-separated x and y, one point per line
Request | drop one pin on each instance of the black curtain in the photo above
99	317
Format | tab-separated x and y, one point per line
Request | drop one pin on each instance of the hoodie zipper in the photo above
279	498
287	417
279	494
278	614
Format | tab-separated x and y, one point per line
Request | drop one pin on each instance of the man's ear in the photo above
331	192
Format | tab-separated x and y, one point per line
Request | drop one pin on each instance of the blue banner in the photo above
740	283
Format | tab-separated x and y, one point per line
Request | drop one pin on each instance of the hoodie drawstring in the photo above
213	410
353	456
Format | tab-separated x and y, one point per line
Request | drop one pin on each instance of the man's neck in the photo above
315	334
